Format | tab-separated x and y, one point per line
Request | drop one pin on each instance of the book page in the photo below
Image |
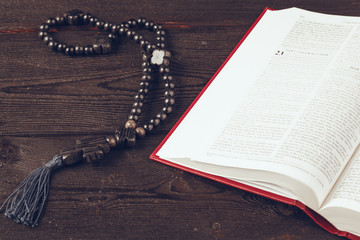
291	101
206	118
348	187
302	114
342	206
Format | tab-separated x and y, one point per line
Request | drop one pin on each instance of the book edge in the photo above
317	218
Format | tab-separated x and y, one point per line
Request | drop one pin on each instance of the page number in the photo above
279	53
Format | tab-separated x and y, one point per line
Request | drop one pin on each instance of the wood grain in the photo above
47	100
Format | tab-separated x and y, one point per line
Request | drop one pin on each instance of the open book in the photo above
281	117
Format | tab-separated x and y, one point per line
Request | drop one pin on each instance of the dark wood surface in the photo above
47	100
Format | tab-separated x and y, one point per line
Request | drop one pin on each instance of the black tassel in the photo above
27	202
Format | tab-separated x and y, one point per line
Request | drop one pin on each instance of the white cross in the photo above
157	57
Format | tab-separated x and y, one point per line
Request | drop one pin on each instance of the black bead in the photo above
137	37
141	21
145	77
112	36
169	93
107	26
144	91
147	70
115	28
144	84
136	111
125	25
51	22
74	16
73	20
149	25
148	127
122	31
145	64
155	27
86	18
167	109
47	39
100	24
161	116
44	27
159	27
93	20
150	47
133	117
130	34
88	50
132	23
161	45
139	97
160	39
145	57
42	35
140	38
79	50
61	20
167	78
70	51
169	101
61	47
169	85
161	33
155	121
164	70
138	104
143	42
52	44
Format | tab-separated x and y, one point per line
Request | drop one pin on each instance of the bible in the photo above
281	117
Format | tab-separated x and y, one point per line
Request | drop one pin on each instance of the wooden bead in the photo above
125	137
102	45
130	124
71	155
140	132
94	148
111	141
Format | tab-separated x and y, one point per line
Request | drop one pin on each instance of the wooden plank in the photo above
47	100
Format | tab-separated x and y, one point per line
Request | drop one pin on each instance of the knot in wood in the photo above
8	152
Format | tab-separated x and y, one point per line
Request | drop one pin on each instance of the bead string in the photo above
152	55
26	203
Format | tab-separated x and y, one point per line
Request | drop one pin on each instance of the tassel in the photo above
27	202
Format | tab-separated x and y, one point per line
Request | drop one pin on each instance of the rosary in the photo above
27	202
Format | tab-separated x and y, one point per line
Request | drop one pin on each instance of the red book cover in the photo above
316	217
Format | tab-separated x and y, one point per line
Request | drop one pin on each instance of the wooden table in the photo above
48	99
